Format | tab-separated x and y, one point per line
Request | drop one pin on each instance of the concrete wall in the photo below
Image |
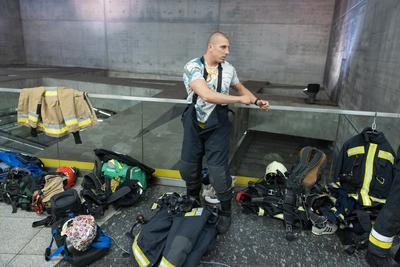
282	41
363	63
11	37
364	59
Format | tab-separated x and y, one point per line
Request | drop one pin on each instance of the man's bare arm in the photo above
242	90
200	87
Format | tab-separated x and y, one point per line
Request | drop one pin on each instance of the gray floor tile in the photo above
17	231
5	258
31	261
6	211
39	243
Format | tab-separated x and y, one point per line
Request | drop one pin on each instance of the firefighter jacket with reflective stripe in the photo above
365	167
174	239
387	224
55	111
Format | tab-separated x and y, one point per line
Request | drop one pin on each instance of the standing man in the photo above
205	121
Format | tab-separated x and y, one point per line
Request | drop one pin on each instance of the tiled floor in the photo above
251	241
22	245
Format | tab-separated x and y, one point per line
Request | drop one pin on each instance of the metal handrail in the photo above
272	107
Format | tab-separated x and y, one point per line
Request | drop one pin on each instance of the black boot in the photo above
376	261
193	190
397	256
225	217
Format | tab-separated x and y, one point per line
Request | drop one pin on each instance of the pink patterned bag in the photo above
80	232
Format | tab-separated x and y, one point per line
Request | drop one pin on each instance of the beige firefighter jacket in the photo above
56	111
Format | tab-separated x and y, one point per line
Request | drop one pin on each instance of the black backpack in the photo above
98	199
97	188
64	205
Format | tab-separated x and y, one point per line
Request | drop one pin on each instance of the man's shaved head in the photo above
217	48
215	36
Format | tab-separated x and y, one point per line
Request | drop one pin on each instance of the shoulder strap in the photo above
205	75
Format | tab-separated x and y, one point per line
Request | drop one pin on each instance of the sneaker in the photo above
209	194
326	229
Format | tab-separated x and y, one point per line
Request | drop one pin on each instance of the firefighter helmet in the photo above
70	173
274	167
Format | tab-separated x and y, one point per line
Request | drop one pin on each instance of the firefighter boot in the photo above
376	261
225	217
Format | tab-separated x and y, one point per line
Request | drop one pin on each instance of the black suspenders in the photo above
205	74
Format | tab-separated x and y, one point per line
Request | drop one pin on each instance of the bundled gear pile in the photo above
18	188
117	179
56	182
78	238
9	160
21	175
179	234
266	196
293	197
301	180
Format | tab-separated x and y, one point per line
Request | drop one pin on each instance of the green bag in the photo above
113	169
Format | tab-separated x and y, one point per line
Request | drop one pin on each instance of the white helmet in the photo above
273	167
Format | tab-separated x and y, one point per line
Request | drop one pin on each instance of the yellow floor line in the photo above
166	173
55	163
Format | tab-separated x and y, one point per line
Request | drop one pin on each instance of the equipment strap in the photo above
205	74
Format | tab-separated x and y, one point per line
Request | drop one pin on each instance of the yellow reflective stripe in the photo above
56	131
32	118
334	185
194	212
383	238
52	131
85	122
378	243
50	93
141	259
386	155
71	122
190	213
22	120
261	211
379	200
279	216
355	151
300	209
165	263
369	170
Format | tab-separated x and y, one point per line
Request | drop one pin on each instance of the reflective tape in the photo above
369	170
379	240
386	155
165	263
355	151
141	259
